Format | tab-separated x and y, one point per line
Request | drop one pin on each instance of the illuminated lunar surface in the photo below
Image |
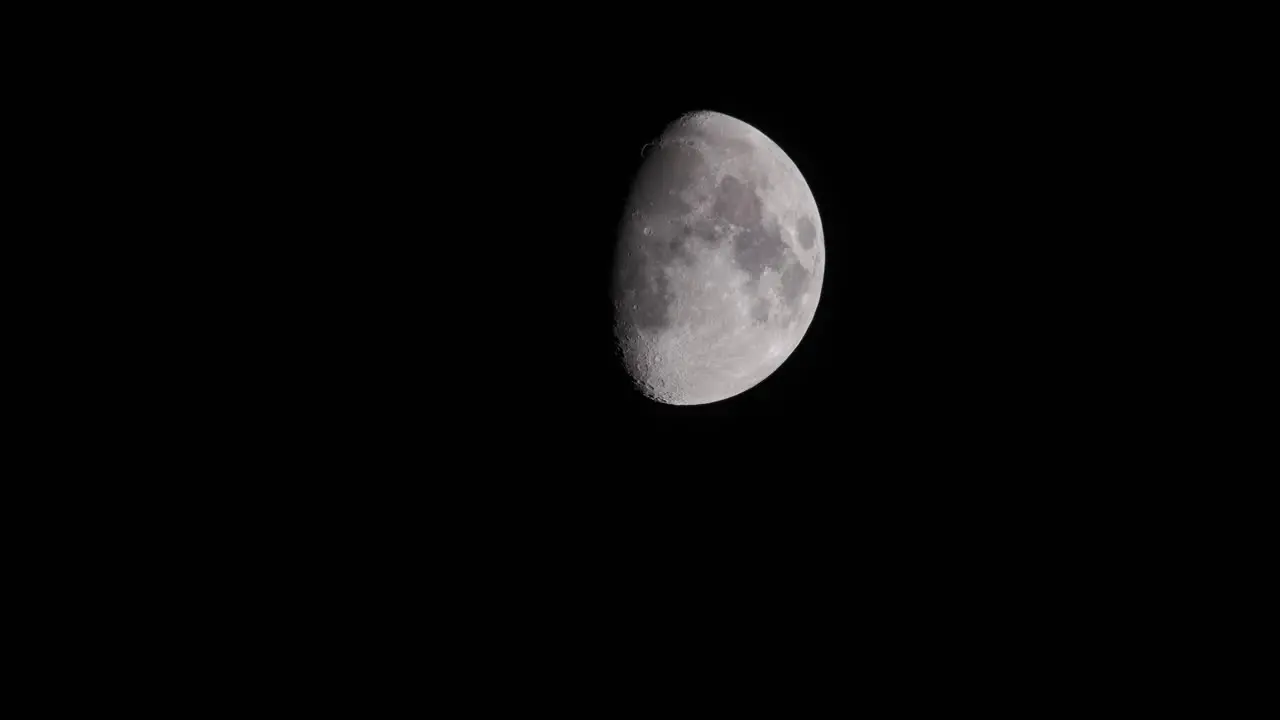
719	262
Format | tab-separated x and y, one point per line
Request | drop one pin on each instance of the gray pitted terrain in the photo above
719	262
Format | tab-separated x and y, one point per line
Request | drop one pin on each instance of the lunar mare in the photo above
719	262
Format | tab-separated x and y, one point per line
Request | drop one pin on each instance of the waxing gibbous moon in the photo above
719	262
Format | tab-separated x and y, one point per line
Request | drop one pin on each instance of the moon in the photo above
718	264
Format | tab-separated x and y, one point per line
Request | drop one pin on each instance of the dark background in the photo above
402	363
977	371
423	218
967	422
981	209
359	404
433	227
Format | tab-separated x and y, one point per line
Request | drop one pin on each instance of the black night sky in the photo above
969	206
424	361
955	225
447	310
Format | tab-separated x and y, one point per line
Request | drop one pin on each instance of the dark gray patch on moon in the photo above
807	233
758	245
760	311
679	250
704	228
794	281
736	202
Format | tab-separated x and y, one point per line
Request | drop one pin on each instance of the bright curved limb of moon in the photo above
719	262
